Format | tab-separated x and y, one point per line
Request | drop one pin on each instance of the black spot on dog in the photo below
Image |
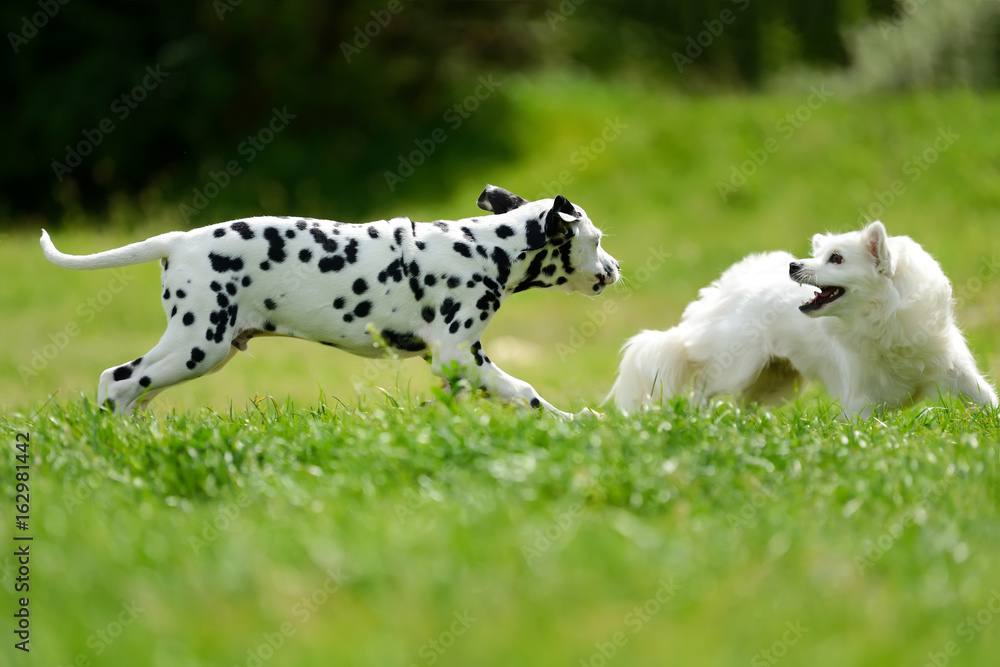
213	317
407	341
269	326
329	245
449	308
166	294
414	269
442	225
243	229
181	294
290	233
276	245
122	373
219	233
478	355
462	249
564	252
467	233
348	317
549	270
420	245
197	356
351	251
246	281
561	280
454	282
454	326
418	291
215	287
372	232
300	225
265	266
430	280
305	255
209	333
331	263
188	319
468	323
536	237
136	362
535	403
222	263
231	289
222	300
144	381
269	304
359	286
428	314
504	231
339	302
397	235
173	311
363	308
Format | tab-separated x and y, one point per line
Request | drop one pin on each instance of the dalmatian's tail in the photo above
157	247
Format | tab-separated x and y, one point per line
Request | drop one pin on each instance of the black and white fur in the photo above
425	289
869	315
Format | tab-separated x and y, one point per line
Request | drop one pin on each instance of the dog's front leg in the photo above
476	367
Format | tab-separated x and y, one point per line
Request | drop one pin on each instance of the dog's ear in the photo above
877	243
560	218
817	242
499	200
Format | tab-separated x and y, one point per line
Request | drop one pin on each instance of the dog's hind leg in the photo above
973	387
175	359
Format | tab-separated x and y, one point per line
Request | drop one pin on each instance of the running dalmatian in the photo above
424	288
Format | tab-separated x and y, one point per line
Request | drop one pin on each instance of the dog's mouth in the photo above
824	297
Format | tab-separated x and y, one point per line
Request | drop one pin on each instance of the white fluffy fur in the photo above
890	339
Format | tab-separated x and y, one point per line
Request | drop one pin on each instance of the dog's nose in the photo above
794	268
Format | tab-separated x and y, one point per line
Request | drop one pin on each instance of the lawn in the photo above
305	507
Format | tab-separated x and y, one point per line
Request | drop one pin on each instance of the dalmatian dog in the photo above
418	288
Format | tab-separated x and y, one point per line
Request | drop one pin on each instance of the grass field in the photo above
304	507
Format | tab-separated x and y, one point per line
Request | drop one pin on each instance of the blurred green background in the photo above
692	132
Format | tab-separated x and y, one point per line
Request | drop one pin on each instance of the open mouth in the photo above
824	297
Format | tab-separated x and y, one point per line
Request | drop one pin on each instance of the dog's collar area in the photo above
824	297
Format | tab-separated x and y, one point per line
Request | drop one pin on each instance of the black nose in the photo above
794	268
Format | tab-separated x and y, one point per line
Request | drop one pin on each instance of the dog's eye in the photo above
835	258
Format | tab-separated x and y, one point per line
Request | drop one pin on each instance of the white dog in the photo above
878	333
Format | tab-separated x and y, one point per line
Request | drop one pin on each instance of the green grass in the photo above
289	492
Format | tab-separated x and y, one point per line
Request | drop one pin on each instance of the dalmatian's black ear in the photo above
560	218
499	200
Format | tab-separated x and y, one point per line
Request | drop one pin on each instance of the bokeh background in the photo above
691	131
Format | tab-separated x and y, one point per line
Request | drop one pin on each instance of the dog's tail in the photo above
654	367
157	247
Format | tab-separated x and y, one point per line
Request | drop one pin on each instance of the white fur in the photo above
889	340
